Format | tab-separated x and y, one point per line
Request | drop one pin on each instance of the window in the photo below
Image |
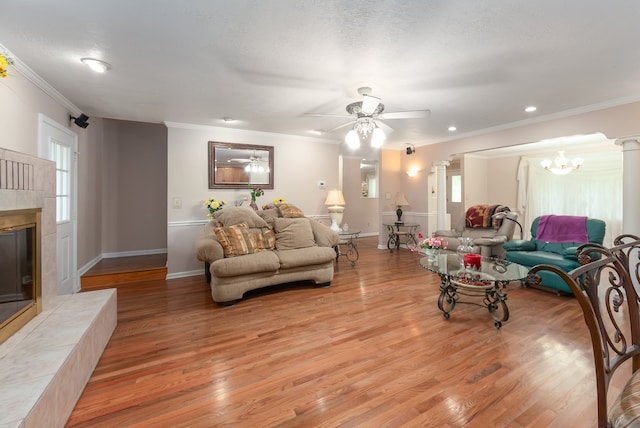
62	158
456	188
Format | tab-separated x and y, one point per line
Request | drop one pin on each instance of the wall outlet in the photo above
177	203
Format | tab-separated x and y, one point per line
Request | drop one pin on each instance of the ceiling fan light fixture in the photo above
352	139
377	138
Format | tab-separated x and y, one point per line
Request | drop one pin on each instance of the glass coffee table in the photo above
485	286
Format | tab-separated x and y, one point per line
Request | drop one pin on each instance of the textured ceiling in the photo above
475	63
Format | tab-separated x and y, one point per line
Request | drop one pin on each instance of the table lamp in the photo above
335	203
399	201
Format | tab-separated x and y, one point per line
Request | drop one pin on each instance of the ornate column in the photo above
441	190
630	181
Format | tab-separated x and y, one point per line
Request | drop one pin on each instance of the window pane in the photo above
456	188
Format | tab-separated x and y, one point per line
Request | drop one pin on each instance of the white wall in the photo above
299	163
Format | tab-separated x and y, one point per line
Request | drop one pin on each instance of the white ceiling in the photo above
475	63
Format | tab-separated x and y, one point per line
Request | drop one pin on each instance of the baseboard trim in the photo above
185	274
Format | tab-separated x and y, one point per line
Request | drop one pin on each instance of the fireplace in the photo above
20	269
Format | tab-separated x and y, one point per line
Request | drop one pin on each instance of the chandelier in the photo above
255	167
365	126
561	165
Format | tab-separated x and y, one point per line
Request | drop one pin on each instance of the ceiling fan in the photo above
368	116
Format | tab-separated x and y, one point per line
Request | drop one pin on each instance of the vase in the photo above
465	247
431	253
254	205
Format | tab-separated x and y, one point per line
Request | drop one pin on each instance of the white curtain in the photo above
594	190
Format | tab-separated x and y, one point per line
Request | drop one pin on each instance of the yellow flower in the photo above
213	205
5	62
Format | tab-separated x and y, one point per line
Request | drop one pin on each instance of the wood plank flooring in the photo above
124	270
372	350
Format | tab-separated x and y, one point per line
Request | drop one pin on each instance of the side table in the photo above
398	231
347	239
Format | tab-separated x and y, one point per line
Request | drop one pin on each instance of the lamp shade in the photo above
352	139
335	198
400	199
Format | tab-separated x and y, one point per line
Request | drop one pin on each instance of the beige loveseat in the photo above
243	251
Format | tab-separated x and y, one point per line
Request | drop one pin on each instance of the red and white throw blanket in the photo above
482	216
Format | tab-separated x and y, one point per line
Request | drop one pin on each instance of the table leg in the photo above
448	296
496	301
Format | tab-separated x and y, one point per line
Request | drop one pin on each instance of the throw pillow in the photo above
235	240
293	233
262	239
231	216
290	211
269	215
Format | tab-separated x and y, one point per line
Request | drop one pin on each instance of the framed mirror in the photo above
235	166
369	178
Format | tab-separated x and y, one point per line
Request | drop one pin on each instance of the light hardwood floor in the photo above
372	350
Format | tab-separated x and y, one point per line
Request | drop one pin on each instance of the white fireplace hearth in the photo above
45	365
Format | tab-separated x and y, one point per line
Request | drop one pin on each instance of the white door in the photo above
59	144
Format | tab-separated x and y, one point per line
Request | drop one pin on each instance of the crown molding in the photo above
35	78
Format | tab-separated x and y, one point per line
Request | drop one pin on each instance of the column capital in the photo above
629	143
441	163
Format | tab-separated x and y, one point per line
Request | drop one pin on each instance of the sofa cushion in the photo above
293	233
290	211
305	256
235	215
268	215
265	261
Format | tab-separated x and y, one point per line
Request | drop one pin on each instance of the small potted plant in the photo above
430	246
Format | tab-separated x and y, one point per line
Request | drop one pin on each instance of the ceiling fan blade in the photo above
369	104
342	126
413	114
327	115
386	128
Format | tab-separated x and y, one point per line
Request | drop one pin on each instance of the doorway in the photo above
454	192
60	145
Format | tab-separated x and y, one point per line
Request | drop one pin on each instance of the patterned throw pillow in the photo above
238	240
262	239
234	239
290	211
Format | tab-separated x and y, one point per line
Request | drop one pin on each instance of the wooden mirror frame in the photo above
234	176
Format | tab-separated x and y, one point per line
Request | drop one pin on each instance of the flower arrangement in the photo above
5	62
431	243
256	192
213	205
273	204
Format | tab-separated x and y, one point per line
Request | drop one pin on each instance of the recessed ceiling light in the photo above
317	131
531	109
96	65
452	128
228	120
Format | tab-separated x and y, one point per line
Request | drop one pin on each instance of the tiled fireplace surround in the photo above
45	365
